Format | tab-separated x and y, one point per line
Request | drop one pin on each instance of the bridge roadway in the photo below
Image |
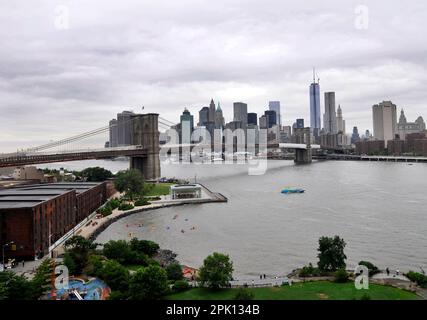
28	158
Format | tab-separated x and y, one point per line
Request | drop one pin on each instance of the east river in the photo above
380	209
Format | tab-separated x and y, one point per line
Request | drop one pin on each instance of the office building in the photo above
340	120
252	119
212	110
299	123
124	128
187	117
219	118
203	116
385	121
114	134
263	123
271	118
241	113
275	106
330	116
355	137
315	122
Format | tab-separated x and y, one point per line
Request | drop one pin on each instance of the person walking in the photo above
387	270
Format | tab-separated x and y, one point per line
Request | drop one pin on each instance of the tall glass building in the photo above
315	122
275	106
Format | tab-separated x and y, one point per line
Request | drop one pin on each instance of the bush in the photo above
180	286
126	206
419	278
105	211
244	294
141	202
341	276
309	271
114	203
174	271
371	267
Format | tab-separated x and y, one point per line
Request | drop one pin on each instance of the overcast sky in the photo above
65	74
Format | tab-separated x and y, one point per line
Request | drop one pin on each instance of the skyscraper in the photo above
330	116
385	121
299	123
113	134
124	128
263	122
340	120
355	136
271	118
252	119
241	113
203	116
212	110
315	122
275	106
187	116
219	118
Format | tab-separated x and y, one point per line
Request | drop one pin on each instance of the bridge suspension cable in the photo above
89	134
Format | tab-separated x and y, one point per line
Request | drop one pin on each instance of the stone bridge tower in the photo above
146	134
303	136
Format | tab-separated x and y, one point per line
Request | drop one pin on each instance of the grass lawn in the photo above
159	189
319	290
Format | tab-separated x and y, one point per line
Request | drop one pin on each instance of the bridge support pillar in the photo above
146	134
303	156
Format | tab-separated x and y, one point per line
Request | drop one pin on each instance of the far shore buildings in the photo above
404	127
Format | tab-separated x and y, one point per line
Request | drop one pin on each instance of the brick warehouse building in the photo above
36	216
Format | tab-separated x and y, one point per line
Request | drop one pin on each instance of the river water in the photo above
380	209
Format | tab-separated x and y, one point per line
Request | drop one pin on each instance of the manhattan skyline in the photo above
115	57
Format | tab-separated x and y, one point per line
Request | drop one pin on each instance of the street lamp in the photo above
3	247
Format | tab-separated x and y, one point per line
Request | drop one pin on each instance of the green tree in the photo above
94	265
150	248
77	250
174	271
115	275
217	271
96	174
14	287
331	254
131	182
148	283
118	250
41	281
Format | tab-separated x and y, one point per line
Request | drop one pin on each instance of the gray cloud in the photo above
167	55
